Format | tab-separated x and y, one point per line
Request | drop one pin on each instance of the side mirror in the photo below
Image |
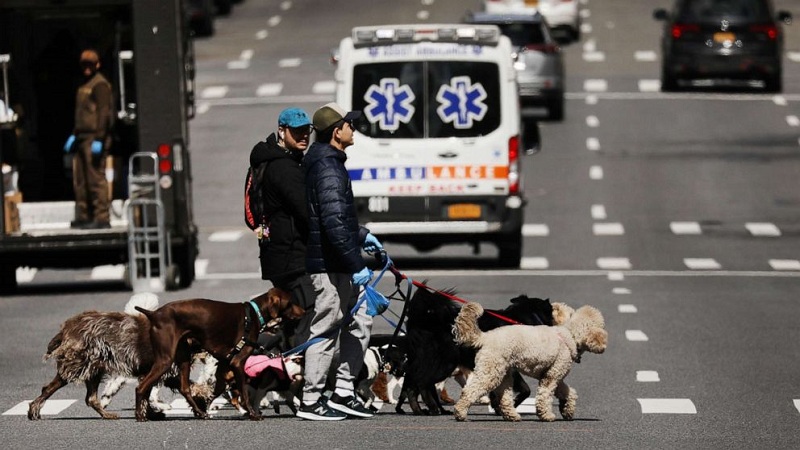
531	138
660	14
785	17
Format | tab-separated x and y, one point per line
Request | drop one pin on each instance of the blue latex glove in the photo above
68	144
361	278
97	147
372	244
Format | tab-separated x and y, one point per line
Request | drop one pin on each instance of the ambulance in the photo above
436	158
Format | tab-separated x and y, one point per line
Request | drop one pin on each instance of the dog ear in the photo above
597	340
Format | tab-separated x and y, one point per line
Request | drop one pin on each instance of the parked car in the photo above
200	17
538	60
722	41
562	15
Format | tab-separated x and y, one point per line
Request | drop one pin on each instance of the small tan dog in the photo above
541	352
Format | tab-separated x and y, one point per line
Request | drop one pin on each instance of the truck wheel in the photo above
185	257
173	279
510	251
8	279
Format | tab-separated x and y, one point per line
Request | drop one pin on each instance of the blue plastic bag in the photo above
377	304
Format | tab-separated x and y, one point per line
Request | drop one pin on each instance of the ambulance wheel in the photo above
173	280
510	251
8	279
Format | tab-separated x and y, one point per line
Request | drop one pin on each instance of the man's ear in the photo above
281	134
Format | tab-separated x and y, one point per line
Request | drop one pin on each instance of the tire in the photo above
173	278
774	84
224	7
184	257
556	110
8	279
668	83
510	251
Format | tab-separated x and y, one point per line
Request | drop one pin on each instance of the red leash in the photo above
450	296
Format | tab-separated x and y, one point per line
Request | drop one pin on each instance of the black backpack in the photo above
254	211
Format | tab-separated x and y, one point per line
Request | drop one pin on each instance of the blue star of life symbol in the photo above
461	102
389	104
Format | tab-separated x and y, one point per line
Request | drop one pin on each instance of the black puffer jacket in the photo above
284	254
335	238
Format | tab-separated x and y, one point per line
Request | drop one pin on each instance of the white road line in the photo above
50	408
324	87
621	291
203	107
238	64
200	267
779	100
596	173
586	28
644	55
635	336
535	229
649	85
225	236
286	5
793	56
784	264
592	121
594	56
762	229
108	272
26	274
599	212
647	376
591	99
214	92
793	121
590	45
593	144
616	276
608	229
797	404
274	21
528	406
595	85
701	263
269	89
613	263
262	34
667	406
246	55
685	228
627	309
423	15
534	263
585	13
289	62
427	2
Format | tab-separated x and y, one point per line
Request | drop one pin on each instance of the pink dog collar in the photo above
259	363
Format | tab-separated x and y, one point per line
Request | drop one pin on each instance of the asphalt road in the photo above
677	215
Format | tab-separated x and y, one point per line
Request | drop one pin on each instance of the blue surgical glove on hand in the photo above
68	144
372	244
361	278
97	147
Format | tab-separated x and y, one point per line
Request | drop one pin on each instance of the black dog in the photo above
433	354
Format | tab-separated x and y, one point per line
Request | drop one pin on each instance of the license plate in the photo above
464	211
720	38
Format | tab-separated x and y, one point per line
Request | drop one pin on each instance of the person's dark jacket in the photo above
284	194
335	238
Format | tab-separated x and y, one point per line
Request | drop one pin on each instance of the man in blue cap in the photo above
282	245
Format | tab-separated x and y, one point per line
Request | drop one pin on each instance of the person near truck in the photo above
90	141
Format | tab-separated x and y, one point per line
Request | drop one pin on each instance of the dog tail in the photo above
53	345
466	330
146	300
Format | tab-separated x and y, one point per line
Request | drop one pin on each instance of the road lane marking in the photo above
793	56
647	376
108	272
225	236
596	173
324	87
269	89
644	55
262	34
685	228
613	263
793	121
616	276
649	85
784	264
591	99
423	15
289	62
286	5
701	263
608	229
274	21
534	263
627	309
667	406
599	212
797	405
586	28
535	229
592	121
636	336
214	92
200	267
26	274
594	56
50	408
779	100
595	85
621	291
762	229
238	64
593	144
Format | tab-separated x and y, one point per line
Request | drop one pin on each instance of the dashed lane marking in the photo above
613	263
649	85
644	55
685	228
616	276
627	309
25	274
636	336
324	87
596	173
269	89
779	100
286	5
534	263
595	85
762	229
784	264
535	229
50	408
647	376
274	21
797	405
289	62
225	236
701	263
592	121
599	212
262	34
214	92
608	229
793	121
621	291
108	272
593	144
667	406
586	28
594	56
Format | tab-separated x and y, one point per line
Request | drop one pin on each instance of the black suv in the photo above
724	41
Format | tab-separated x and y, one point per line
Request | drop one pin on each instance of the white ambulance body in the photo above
436	158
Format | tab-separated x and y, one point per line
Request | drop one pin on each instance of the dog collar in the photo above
261	322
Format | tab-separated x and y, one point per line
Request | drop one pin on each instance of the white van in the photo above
436	159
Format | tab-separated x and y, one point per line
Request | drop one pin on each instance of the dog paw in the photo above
547	417
255	417
512	418
110	416
154	415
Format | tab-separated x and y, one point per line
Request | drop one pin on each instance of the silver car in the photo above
538	60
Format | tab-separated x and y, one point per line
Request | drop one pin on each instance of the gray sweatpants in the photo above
336	295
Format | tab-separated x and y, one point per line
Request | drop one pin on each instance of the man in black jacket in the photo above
282	250
333	259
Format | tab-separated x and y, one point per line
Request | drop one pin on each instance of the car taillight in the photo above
770	30
513	165
164	161
679	29
544	48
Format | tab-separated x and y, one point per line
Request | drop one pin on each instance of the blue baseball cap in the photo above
293	118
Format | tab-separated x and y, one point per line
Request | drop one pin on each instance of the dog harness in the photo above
244	340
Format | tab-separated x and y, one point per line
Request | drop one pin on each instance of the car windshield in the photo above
427	99
690	10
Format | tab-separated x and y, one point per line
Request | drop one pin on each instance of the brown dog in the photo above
219	328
